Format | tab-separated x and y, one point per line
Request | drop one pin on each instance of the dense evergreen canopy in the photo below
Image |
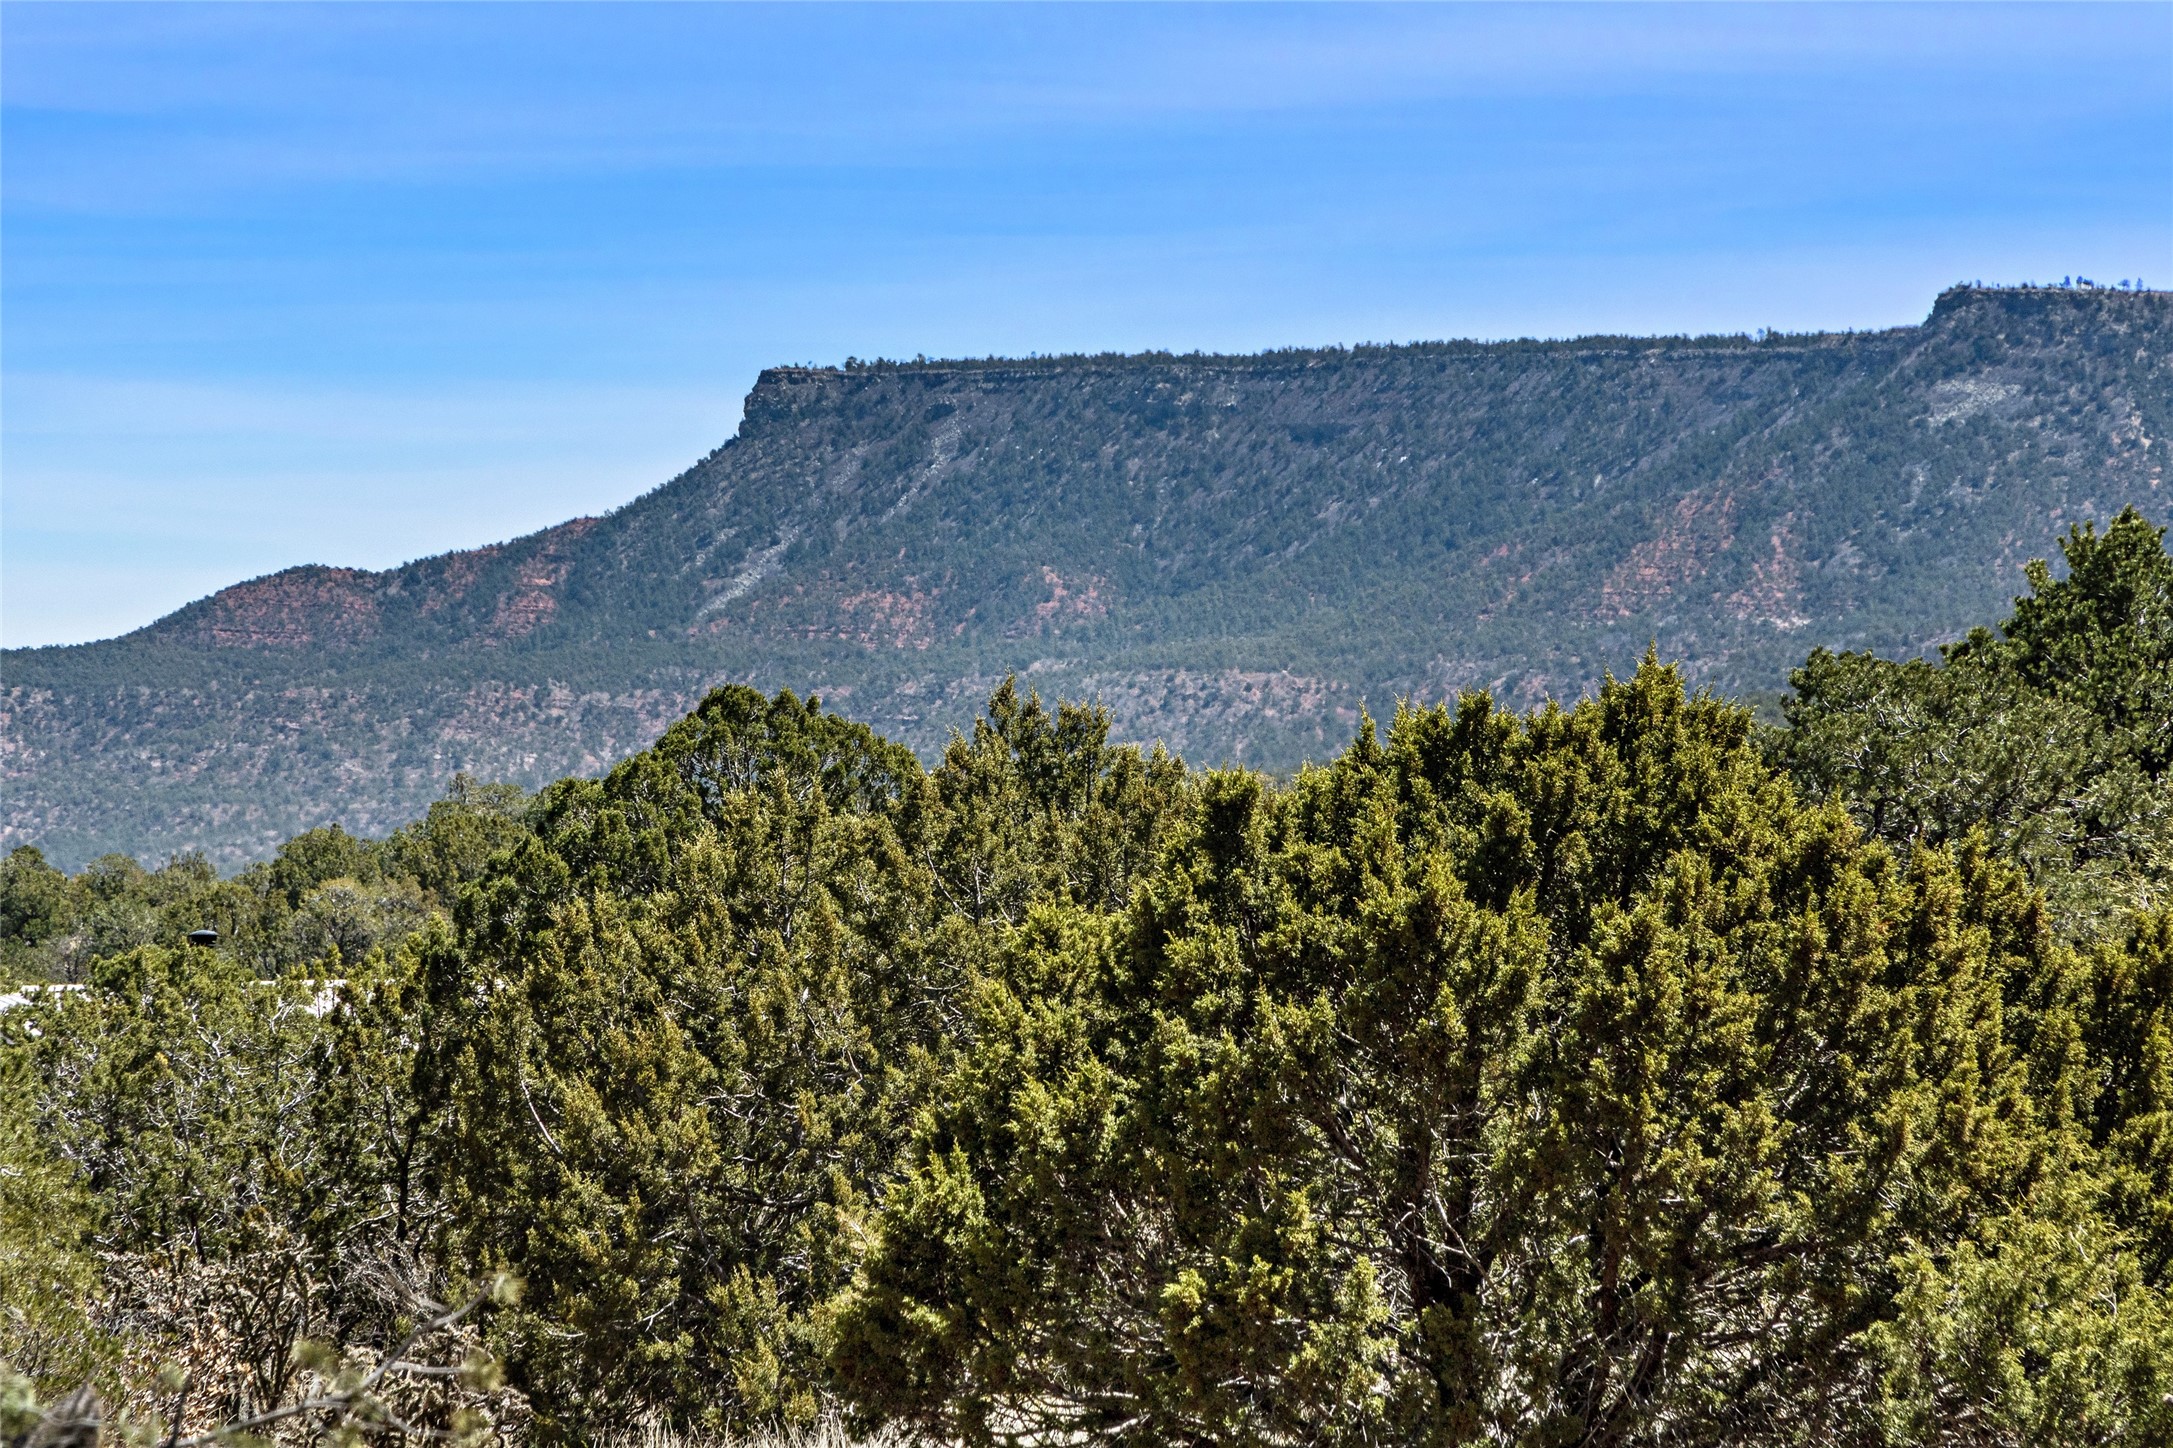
1546	1080
1618	1073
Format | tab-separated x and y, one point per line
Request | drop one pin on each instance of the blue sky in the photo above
354	284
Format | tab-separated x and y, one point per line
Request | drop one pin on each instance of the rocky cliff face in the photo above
1233	553
482	597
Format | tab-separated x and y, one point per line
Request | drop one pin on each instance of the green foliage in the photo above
2127	1033
261	1163
693	1025
168	1084
313	857
1619	1074
1037	807
34	907
456	839
1498	1083
2038	1332
48	1275
2102	637
2052	738
700	1009
324	897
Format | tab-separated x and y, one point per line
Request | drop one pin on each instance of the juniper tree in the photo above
691	1020
2053	736
1559	1080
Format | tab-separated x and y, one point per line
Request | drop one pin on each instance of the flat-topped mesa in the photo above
522	582
2080	301
2087	304
1234	553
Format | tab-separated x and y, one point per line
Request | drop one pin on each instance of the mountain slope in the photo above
1232	552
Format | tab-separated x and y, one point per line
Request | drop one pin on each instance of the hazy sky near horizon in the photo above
355	284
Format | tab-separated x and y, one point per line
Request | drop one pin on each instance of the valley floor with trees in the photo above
1622	1072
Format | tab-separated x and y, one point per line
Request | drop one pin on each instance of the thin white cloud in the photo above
275	97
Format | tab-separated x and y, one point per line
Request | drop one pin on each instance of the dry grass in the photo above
827	1432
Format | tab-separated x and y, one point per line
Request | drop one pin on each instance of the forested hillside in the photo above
1231	553
1618	1075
